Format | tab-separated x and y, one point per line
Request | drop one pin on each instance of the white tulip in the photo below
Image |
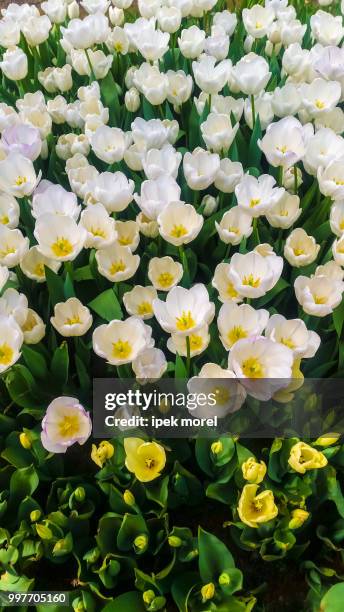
320	95
33	328
199	342
13	246
14	306
200	168
147	227
9	211
321	149
218	133
54	199
285	212
185	310
121	342
235	225
338	251
331	270
164	273
36	30
294	334
109	144
330	178
209	76
251	74
4	276
191	42
228	176
139	301
71	318
179	223
286	100
253	275
235	322
263	109
14	64
327	29
9	33
55	9
153	134
179	87
157	194
152	83
113	190
157	162
337	218
100	227
117	263
84	33
132	100
33	265
10	343
224	285
59	237
318	295
149	365
128	234
258	195
257	20
300	249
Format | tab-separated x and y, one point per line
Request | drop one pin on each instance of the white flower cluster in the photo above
189	159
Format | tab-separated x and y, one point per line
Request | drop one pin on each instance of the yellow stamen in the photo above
69	426
236	333
98	232
178	231
252	368
288	342
62	247
185	321
144	308
7	250
231	292
20	180
251	281
254	202
196	342
4	220
117	266
165	279
73	320
39	270
222	395
298	252
319	104
125	240
121	349
6	354
318	299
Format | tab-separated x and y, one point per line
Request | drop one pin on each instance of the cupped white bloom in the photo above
217	44
9	33
65	423
72	144
330	179
338	251
179	87
95	61
257	195
209	76
286	100
326	28
235	225
132	100
147	227
261	364
226	20
320	96
84	33
14	64
152	44
251	74
226	105
224	285
152	83
331	270
254	275
164	273
227	394
80	178
4	276
118	41
33	328
185	310
23	139
200	168
199	342
235	322
36	30
139	301
228	176
257	20
54	199
218	132
328	63
14	306
8	116
113	190
93	109
134	29
292	31
149	365
109	144
33	265
100	227
179	223
133	157
153	134
285	212
290	180
157	162
337	218
59	237
263	109
284	142
17	175
13	246
157	194
56	79
296	62
9	211
38	119
318	295
294	334
191	42
128	234
333	119
321	149
71	318
121	342
11	340
95	6
55	9
117	263
169	18
300	249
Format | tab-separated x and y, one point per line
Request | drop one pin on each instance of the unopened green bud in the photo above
207	591
174	541
129	498
224	579
35	515
78	605
141	542
148	596
80	494
216	447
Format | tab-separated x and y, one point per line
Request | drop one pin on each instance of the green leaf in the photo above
23	483
131	601
180	369
182	587
109	93
60	364
55	286
132	526
107	306
35	361
333	599
338	318
254	152
214	556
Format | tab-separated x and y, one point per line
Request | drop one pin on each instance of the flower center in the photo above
282	149
4	220
121	349
319	299
288	342
117	266
7	250
178	231
30	323
222	395
257	505
69	426
98	232
149	462
254	202
39	269
236	333
319	104
196	342
6	354
73	320
185	321
251	281
165	279
20	180
231	292
298	251
125	240
252	368
144	308
62	247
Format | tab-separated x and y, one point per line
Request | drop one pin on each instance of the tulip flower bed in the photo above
171	207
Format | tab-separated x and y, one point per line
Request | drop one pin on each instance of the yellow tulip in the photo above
207	591
145	459
256	509
327	439
129	498
253	471
25	440
304	457
100	454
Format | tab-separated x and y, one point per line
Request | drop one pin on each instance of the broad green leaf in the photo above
214	556
107	306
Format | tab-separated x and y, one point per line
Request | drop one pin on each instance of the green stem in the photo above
184	262
255	230
92	75
228	249
280	176
188	356
295	180
20	89
69	269
253	108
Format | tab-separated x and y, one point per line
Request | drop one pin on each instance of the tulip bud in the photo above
78	605
216	447
132	100
174	541
299	516
116	16
73	10
224	579
25	440
129	77
79	494
148	596
289	178
210	205
327	439
207	591
141	542
35	515
129	498
249	40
